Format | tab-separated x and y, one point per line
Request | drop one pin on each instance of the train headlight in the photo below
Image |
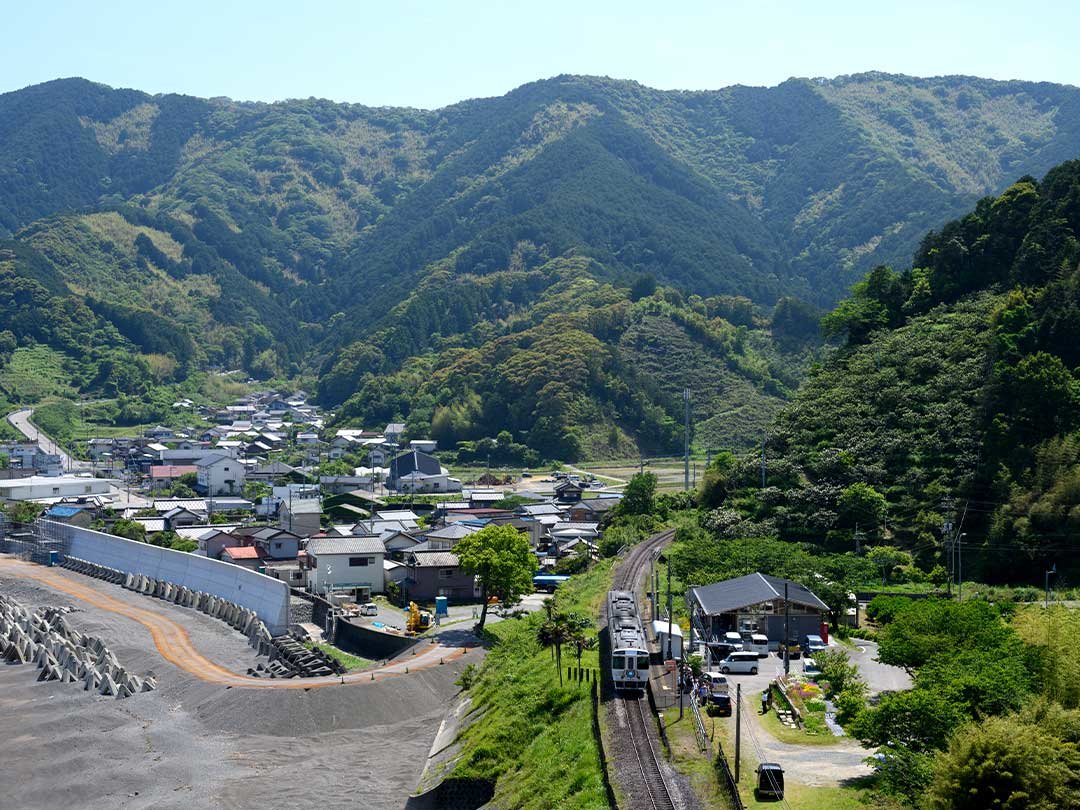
630	673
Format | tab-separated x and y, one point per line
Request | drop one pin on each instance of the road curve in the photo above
174	643
20	420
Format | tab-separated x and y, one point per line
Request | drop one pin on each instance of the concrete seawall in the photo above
266	596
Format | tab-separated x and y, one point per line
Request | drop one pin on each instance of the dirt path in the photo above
174	644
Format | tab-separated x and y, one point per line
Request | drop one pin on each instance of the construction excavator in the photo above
419	620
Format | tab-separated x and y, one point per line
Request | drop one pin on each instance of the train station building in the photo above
756	603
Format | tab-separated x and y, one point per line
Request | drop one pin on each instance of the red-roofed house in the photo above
165	475
251	557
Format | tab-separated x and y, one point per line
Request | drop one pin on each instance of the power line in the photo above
758	750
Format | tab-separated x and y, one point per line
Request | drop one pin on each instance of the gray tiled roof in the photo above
435	559
732	594
345	545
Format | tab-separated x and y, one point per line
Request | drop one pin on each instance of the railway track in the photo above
641	736
642	728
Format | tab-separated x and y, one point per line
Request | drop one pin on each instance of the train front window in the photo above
618	662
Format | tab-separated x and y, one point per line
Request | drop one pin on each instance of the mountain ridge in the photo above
289	237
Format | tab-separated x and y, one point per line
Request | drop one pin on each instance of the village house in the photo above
163	476
436	573
418	472
219	475
252	557
346	566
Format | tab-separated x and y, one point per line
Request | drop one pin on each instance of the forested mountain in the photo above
956	396
409	257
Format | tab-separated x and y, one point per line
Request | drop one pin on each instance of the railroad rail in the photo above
641	736
642	729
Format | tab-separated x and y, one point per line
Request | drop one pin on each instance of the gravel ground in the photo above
192	744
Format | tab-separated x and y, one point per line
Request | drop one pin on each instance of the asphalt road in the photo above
879	677
20	420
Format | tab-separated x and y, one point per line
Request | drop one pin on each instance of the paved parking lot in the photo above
813	764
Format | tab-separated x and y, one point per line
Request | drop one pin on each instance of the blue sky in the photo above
428	54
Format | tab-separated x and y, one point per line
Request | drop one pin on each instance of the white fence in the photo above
268	597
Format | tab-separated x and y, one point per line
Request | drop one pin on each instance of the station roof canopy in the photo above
752	589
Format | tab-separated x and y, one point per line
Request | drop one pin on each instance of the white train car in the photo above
629	650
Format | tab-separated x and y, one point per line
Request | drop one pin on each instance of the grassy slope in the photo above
535	735
33	373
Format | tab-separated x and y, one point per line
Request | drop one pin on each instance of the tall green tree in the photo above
639	496
502	561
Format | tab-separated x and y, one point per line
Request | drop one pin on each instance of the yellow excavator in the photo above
419	620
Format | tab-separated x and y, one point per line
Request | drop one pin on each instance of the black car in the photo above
721	650
770	781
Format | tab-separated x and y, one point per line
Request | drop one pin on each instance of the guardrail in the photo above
704	743
727	778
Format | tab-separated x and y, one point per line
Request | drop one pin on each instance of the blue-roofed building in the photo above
73	513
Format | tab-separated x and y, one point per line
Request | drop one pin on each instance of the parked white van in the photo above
734	639
759	643
718	684
743	663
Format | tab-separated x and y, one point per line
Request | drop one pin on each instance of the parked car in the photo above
369	609
770	781
759	643
740	663
718	683
813	643
722	649
793	649
734	639
810	668
721	705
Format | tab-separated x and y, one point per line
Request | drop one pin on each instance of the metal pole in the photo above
1053	570
960	567
763	437
787	631
686	440
670	612
738	727
656	594
681	690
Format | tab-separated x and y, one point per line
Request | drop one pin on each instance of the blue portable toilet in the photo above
54	558
441	606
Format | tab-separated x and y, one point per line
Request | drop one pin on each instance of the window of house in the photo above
56	490
277	546
446	573
359	562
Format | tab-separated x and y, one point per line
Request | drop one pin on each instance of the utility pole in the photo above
787	631
764	436
1053	570
670	617
686	440
946	533
960	566
738	727
656	591
652	583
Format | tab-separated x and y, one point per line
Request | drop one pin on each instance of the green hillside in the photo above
392	250
956	396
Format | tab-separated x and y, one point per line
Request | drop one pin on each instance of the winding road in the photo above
175	645
20	420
